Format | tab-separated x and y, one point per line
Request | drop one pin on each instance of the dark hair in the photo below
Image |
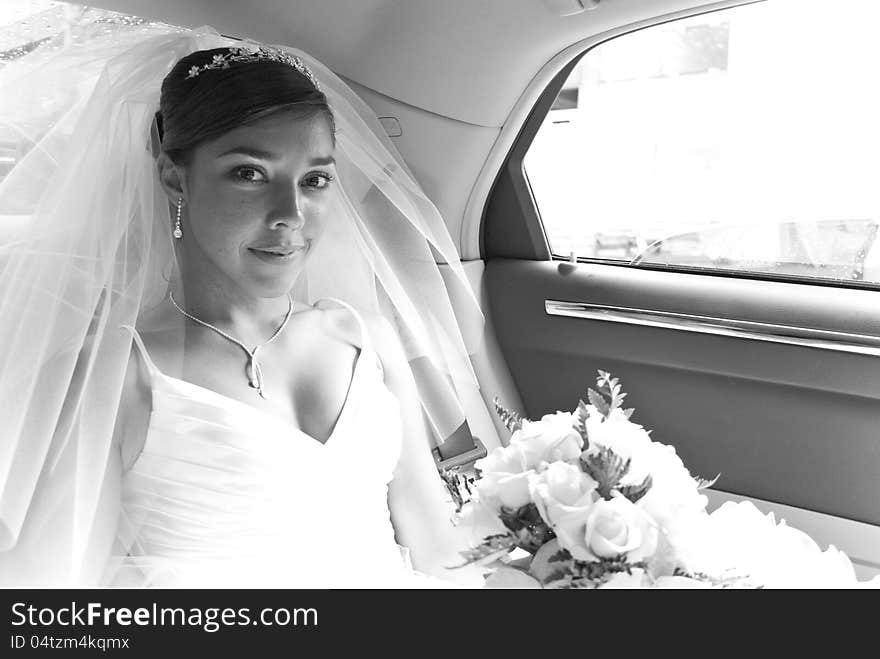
192	110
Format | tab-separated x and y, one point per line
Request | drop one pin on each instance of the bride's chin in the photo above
279	285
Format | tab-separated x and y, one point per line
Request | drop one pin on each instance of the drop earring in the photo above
178	232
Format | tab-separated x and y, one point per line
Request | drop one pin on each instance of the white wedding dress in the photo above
227	495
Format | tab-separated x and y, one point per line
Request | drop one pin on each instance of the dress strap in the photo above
365	335
142	349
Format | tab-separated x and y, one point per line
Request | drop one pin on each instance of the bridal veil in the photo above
86	248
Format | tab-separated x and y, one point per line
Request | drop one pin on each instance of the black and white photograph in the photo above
438	295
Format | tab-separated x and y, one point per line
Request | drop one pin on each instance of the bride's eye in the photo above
317	180
249	174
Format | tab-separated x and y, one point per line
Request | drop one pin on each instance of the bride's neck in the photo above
246	316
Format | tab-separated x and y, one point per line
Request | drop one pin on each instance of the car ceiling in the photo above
468	60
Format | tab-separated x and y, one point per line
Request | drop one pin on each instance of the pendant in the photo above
255	374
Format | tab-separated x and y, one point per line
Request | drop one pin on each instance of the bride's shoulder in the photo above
338	322
344	325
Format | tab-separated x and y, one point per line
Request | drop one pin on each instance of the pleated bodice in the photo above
225	494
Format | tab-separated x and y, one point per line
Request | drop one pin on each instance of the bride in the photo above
227	346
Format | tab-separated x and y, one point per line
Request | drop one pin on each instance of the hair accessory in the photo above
178	232
261	54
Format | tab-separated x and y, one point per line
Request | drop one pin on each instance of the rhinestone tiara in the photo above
259	55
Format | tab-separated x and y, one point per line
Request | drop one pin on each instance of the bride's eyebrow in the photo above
250	151
268	155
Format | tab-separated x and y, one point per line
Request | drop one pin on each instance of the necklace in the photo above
254	372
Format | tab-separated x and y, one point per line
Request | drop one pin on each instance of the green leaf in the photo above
609	396
527	525
592	574
580	424
598	401
458	486
560	556
724	581
558	579
636	492
606	468
511	420
702	483
492	546
610	386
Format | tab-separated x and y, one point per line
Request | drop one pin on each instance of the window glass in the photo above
745	139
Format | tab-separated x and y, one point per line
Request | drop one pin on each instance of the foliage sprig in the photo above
605	467
458	485
609	396
703	484
492	547
511	420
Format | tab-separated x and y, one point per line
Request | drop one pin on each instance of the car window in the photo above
740	140
25	26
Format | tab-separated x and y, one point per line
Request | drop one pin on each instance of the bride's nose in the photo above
287	209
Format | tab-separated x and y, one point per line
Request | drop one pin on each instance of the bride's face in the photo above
256	201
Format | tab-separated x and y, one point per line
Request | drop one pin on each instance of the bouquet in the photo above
588	500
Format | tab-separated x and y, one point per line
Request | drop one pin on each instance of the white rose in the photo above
675	509
504	478
627	439
742	540
563	494
503	459
679	546
548	440
613	528
476	520
673	499
507	490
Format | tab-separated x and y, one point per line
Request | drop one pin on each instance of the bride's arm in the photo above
129	435
133	418
129	432
421	507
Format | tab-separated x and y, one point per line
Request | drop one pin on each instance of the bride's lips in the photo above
278	253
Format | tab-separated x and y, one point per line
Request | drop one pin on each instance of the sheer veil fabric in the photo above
91	251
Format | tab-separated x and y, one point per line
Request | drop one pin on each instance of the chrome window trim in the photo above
864	344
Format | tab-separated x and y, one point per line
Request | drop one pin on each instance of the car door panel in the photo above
784	423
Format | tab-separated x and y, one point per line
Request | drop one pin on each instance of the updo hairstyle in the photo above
195	109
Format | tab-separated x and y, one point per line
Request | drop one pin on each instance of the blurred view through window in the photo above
745	139
32	27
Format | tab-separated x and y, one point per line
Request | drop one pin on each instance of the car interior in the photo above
674	191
